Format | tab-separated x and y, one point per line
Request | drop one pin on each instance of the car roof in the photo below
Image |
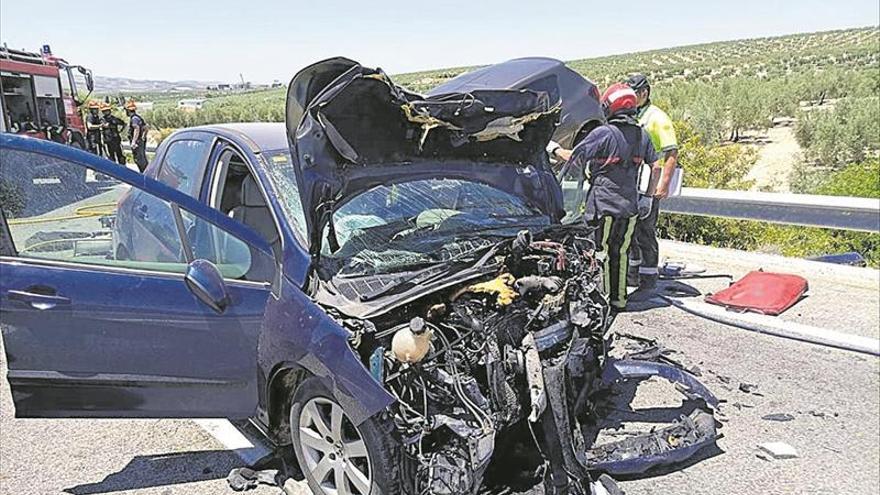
510	74
261	136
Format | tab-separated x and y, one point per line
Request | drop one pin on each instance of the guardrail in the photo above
835	212
809	210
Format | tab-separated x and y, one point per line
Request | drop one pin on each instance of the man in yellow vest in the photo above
644	253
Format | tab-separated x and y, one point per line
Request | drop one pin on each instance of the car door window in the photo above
236	192
183	165
235	258
61	211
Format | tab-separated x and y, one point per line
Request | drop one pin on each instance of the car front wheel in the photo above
337	457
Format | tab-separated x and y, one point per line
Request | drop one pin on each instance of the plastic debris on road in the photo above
241	479
778	450
778	417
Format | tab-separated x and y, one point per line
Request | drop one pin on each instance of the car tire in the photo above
349	459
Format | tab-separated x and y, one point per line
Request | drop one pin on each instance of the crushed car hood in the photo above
350	128
579	96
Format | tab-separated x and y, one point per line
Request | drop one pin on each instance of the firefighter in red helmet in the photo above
609	159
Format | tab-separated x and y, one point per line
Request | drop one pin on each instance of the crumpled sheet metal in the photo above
620	369
671	445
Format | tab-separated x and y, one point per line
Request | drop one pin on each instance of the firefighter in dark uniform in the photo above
137	135
93	129
112	133
611	156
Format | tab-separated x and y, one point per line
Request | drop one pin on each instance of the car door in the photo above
89	334
181	167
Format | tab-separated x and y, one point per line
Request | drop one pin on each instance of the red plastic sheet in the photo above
762	292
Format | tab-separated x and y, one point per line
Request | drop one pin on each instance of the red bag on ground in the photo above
762	292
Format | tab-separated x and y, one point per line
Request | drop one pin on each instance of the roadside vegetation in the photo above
857	179
827	84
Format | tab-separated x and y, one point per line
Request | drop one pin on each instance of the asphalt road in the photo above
832	395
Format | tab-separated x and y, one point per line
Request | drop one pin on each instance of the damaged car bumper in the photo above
435	227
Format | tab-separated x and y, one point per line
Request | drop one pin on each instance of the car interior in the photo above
237	194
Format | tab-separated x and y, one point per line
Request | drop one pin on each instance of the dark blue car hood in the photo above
351	128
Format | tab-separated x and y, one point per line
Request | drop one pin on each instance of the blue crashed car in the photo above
383	284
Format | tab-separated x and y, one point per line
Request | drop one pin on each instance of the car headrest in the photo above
250	193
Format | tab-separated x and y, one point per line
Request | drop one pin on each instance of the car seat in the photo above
254	212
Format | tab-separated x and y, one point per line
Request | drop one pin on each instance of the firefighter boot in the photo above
647	289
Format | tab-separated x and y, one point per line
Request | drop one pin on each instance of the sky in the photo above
264	41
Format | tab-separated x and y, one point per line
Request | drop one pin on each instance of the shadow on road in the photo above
163	469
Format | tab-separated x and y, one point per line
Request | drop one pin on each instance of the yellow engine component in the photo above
501	286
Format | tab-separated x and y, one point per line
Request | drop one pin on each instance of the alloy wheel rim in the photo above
333	449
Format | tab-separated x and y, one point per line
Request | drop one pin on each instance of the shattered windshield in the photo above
404	226
283	180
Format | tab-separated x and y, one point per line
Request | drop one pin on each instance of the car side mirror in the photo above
204	280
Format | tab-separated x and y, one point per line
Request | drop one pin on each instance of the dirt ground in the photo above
778	152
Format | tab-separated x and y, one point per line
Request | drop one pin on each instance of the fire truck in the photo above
40	95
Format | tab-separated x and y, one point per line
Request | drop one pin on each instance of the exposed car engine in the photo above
524	345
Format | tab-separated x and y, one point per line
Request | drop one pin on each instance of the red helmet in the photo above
618	98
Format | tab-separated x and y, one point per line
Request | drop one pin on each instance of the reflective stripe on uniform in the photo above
606	233
648	270
624	247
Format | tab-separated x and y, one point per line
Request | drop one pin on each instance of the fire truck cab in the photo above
40	96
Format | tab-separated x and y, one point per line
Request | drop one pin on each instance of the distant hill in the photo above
762	58
106	84
719	88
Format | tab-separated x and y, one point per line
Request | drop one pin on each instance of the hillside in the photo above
698	82
113	85
763	58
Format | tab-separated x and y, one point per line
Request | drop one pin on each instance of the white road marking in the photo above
245	445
